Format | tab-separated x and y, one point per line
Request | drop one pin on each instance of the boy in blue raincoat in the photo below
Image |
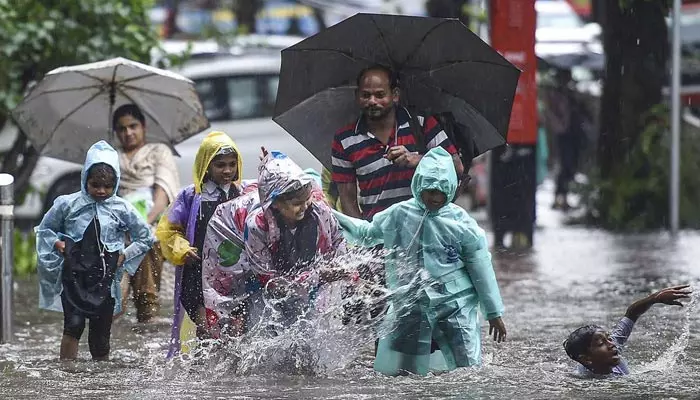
439	271
82	256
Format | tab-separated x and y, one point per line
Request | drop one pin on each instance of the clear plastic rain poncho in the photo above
71	214
439	270
244	236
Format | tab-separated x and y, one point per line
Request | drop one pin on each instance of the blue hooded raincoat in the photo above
70	216
439	271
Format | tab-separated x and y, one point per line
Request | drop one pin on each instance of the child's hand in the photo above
498	329
60	245
191	257
120	260
671	295
263	153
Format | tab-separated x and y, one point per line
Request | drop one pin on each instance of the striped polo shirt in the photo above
358	156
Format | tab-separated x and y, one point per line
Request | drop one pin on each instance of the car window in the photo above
244	98
270	84
558	20
212	97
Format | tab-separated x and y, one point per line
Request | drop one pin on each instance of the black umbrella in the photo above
442	67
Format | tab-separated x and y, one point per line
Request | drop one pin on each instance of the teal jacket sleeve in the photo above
360	232
49	259
141	239
477	260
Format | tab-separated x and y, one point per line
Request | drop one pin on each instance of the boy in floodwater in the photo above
442	252
82	255
599	352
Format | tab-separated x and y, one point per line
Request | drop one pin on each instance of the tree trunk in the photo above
245	11
170	28
635	40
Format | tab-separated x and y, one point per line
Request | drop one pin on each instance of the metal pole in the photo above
6	255
674	195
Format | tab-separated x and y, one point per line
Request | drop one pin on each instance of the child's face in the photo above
433	199
100	188
223	169
294	209
602	352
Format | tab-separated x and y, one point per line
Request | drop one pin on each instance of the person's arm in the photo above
171	232
141	239
344	176
160	203
49	241
348	199
434	136
361	232
477	260
669	296
223	271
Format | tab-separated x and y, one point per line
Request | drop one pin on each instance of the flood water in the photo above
572	277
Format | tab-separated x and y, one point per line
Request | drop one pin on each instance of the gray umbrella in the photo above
442	67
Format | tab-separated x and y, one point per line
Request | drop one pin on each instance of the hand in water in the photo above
671	295
498	329
60	245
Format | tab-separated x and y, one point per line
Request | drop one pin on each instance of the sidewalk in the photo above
546	218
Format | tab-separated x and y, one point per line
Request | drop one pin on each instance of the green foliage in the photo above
37	36
24	253
635	198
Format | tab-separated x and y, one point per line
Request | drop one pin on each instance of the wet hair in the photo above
579	341
393	77
287	196
128	109
103	172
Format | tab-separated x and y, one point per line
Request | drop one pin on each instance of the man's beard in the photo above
376	113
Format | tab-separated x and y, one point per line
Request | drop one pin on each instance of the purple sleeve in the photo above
179	212
622	331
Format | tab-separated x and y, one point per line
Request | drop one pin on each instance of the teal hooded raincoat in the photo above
439	271
70	216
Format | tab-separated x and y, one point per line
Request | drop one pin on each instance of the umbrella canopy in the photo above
71	108
441	65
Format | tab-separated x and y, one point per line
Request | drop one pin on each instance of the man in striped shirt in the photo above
378	152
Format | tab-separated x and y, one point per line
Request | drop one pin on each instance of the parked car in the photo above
561	30
238	94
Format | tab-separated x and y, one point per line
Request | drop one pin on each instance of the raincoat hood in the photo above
100	152
210	146
435	171
278	174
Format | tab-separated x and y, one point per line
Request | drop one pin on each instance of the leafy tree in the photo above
37	36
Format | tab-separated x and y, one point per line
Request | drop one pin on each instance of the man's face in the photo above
374	95
131	132
602	352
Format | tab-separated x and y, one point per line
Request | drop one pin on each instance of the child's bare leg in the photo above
69	348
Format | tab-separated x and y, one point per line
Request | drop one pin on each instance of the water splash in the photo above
287	336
